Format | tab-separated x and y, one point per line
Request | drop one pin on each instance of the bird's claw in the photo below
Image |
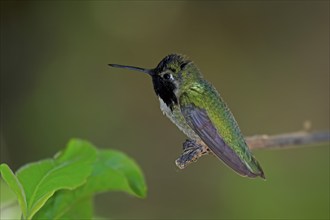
191	152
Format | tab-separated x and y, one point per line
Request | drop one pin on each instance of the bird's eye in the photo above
167	76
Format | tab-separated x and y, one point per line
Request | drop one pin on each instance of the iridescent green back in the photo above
205	96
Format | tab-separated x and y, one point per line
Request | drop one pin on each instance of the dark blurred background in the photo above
269	61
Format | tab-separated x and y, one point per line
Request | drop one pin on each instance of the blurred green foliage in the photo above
64	187
269	60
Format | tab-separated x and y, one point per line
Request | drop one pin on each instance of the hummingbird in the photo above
198	110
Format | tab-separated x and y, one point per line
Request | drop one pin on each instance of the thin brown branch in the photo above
287	140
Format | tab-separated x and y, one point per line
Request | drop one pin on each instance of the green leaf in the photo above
63	187
9	206
15	186
7	195
68	170
82	209
112	171
67	204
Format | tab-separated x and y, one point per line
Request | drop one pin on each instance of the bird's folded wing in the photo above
200	122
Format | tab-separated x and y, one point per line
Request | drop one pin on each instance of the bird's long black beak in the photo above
148	71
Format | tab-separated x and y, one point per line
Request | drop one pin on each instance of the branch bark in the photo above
287	140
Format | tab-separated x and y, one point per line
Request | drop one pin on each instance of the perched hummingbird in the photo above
197	109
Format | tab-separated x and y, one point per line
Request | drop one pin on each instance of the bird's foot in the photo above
192	150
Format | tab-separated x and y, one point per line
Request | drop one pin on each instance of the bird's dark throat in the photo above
165	90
